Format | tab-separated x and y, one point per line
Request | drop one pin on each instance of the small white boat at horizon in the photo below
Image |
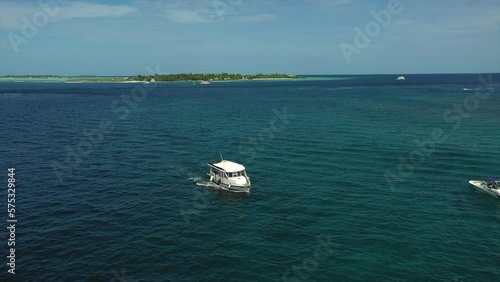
229	175
400	78
204	82
149	81
489	185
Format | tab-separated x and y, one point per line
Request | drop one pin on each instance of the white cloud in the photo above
329	3
339	2
87	10
209	11
260	18
489	21
189	16
403	22
12	14
192	12
462	17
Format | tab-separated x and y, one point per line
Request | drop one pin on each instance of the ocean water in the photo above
357	179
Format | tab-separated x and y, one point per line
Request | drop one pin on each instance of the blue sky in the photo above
249	36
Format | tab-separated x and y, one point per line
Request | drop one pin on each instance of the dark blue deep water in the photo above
359	179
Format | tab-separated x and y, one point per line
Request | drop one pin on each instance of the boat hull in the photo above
481	186
233	188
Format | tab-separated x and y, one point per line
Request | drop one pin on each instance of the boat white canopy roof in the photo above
227	166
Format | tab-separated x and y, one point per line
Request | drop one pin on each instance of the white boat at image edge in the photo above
229	175
490	185
400	78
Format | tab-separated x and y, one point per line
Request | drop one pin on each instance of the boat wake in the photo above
205	183
208	184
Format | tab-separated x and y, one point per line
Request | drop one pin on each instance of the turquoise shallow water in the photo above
112	185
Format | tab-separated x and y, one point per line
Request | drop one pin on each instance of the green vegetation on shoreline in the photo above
212	76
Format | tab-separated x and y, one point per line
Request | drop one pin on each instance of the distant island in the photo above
213	77
30	76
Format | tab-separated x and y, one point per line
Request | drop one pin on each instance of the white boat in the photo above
400	78
488	185
229	175
204	82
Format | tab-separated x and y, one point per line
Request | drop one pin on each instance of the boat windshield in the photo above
236	174
492	184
